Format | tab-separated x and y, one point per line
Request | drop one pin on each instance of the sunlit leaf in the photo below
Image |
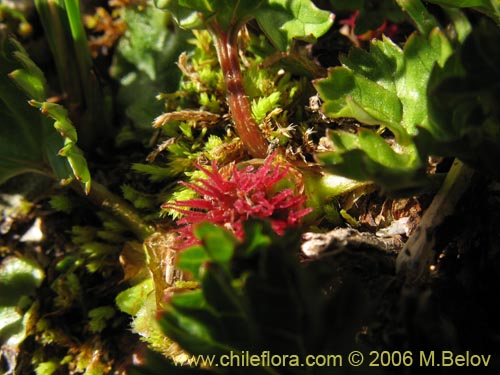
28	141
132	299
385	86
67	41
281	20
70	150
29	78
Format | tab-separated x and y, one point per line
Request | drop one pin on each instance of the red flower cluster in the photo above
247	193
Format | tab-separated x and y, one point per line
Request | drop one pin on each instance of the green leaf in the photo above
218	242
284	20
188	16
367	156
29	78
131	300
191	260
65	35
145	61
268	301
19	279
231	310
463	103
70	150
424	21
385	86
281	20
28	142
62	122
21	129
78	164
190	323
210	320
488	7
348	94
99	317
218	245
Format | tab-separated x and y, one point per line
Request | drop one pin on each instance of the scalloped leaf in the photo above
66	38
385	86
367	156
284	20
62	122
281	20
145	61
70	150
28	141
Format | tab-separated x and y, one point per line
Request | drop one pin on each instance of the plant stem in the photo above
102	197
239	105
418	253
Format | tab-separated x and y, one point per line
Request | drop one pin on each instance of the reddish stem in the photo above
239	105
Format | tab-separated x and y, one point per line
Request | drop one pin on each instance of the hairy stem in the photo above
239	105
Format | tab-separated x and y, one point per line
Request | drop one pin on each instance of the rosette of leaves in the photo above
29	139
383	87
432	103
255	296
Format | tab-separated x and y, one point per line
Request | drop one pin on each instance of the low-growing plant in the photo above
228	140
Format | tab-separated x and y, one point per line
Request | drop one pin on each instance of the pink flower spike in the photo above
248	193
